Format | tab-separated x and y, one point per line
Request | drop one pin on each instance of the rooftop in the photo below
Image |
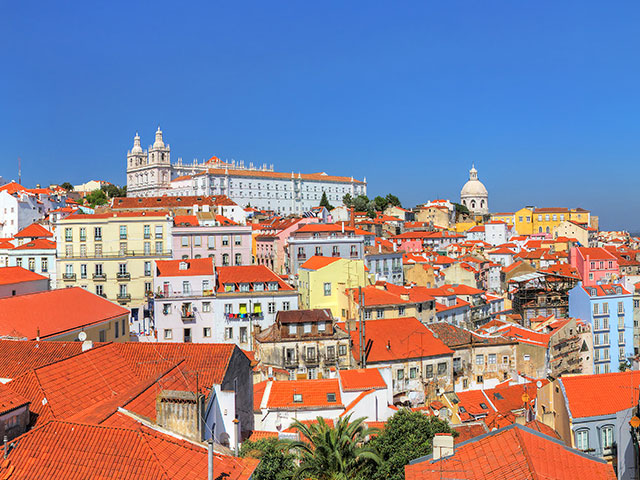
11	275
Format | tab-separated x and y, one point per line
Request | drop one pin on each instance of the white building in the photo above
151	173
474	195
195	302
20	207
496	233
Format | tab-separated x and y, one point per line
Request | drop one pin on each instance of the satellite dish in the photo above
539	384
82	336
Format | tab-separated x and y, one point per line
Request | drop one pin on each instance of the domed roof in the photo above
158	143
474	187
136	144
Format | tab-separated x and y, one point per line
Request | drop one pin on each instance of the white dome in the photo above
473	188
158	143
136	144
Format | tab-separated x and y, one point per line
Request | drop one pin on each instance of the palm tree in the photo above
337	453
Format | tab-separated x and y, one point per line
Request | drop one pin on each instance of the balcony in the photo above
124	297
310	359
354	255
188	294
335	254
120	254
302	257
99	277
244	316
124	276
331	359
69	277
187	317
290	362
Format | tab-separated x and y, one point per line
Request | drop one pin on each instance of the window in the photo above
367	314
596	308
318	251
98	250
211	242
505	359
158	247
331	397
102	335
186	287
237	240
293	328
327	289
342	350
225	260
206	307
413	372
492	358
297	398
147	248
442	368
206	332
158	231
32	265
147	231
401	311
285	306
479	359
228	333
123	232
306	328
271	307
400	374
322	326
197	241
527	357
238	259
428	371
243	334
380	313
117	329
620	307
168	334
582	440
83	234
68	235
480	379
68	250
83	270
606	436
225	241
97	234
44	265
99	290
605	308
185	241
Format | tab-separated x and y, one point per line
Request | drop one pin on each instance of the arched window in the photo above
481	203
238	259
582	439
225	259
547	230
473	204
606	436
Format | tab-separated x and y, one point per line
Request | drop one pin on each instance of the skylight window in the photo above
297	398
483	406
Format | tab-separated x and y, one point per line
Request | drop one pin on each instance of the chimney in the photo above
6	446
180	412
442	445
352	220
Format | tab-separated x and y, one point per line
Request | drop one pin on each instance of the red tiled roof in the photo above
603	394
194	267
324	227
512	452
185	221
248	274
167	201
361	379
374	296
10	400
76	451
12	187
317	262
11	275
34	230
37	244
261	435
19	356
320	176
467	431
398	339
258	393
54	312
314	394
595	253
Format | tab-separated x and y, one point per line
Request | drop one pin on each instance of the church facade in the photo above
151	173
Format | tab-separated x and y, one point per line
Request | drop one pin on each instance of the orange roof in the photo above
361	379
317	262
185	221
374	296
19	356
595	253
34	230
512	452
185	268
10	400
37	244
47	314
398	339
312	394
261	435
167	201
75	451
116	214
603	394
321	176
11	275
12	187
248	274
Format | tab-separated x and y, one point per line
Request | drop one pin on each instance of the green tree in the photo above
328	453
67	186
95	198
347	200
380	203
407	435
361	203
461	209
276	462
393	201
113	191
324	202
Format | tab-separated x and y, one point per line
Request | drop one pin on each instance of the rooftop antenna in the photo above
19	171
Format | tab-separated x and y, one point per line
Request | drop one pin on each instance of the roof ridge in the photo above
525	452
141	435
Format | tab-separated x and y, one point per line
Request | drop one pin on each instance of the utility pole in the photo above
19	170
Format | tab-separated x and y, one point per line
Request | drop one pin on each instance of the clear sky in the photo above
542	96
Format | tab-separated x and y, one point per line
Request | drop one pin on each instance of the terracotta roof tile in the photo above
318	262
361	379
11	275
185	268
313	394
34	230
248	274
19	356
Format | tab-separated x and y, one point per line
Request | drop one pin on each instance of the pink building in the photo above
594	265
226	242
272	239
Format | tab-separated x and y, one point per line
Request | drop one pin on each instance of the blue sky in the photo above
542	96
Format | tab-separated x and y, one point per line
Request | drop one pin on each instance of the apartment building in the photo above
112	254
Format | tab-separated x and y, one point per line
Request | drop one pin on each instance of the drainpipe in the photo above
210	457
236	424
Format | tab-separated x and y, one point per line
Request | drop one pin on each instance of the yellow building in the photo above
523	219
504	217
323	282
531	221
113	254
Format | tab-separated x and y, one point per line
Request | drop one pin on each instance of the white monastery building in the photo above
151	173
